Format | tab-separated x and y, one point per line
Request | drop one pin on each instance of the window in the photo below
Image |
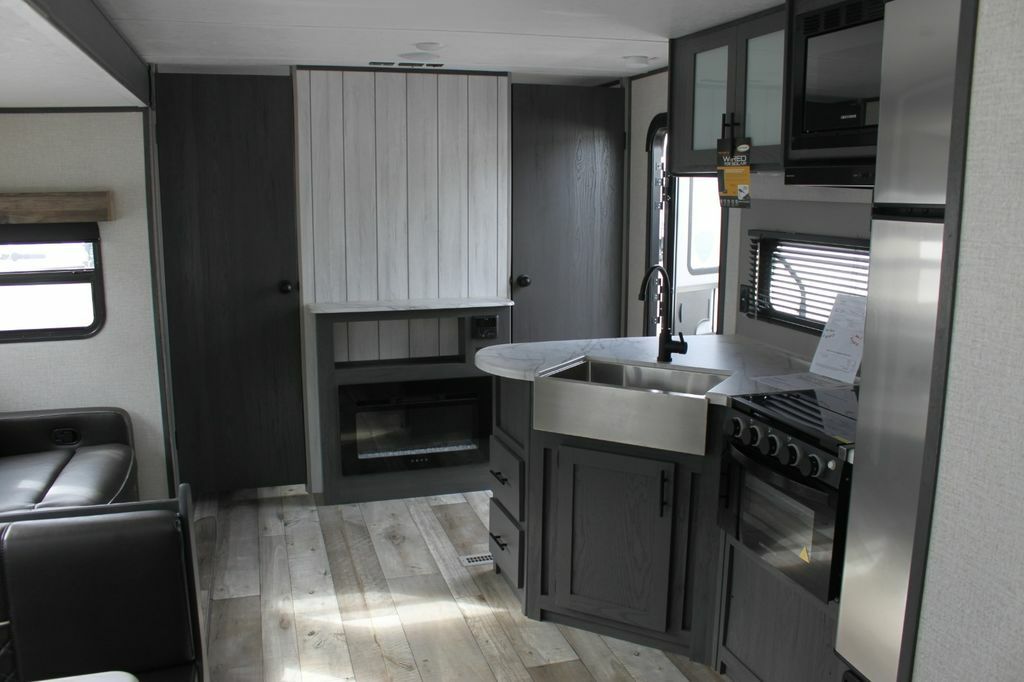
794	279
699	218
51	282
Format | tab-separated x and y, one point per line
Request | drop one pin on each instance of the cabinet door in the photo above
614	527
760	74
702	71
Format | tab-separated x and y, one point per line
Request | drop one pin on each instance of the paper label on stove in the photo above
842	342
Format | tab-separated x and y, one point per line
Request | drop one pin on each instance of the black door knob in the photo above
523	281
285	287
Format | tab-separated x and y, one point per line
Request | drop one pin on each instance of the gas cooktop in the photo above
828	416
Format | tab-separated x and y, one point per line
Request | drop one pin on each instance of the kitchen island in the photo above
604	533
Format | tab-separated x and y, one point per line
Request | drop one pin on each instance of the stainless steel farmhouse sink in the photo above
651	407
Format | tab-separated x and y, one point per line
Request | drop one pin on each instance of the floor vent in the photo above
476	559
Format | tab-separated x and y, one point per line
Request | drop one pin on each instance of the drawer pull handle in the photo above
503	546
501	478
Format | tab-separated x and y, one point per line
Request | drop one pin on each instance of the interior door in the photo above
567	182
227	184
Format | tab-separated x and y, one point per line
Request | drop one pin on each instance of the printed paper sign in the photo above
841	346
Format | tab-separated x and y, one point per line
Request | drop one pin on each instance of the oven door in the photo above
790	524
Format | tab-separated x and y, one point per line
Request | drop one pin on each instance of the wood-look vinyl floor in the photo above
292	592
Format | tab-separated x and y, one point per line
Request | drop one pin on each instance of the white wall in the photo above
777	207
118	366
771	187
972	619
648	98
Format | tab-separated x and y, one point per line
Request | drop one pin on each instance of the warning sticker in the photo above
805	556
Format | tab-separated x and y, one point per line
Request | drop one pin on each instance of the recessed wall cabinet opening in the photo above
794	279
51	282
736	70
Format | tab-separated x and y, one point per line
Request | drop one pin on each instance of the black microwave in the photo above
834	84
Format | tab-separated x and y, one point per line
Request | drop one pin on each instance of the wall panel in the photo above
359	145
409	183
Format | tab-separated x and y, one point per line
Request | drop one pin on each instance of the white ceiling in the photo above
582	41
40	67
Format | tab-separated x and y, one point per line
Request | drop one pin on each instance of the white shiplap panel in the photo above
327	196
504	245
328	180
392	208
453	197
483	184
360	152
423	206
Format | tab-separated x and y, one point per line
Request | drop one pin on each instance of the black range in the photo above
789	461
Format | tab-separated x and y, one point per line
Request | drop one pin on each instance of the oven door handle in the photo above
779	481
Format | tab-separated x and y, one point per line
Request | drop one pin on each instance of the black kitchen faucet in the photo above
666	344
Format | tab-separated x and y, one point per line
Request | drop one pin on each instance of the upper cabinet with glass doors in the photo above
735	69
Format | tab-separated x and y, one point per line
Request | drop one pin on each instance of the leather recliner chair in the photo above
92	589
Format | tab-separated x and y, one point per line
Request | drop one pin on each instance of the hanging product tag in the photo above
734	172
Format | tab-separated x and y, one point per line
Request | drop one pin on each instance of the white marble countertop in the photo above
744	359
359	307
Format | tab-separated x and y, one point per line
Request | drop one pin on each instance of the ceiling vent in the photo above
408	65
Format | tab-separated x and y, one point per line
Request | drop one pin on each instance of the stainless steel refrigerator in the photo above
877	614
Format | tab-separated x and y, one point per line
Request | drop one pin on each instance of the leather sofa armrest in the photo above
40	430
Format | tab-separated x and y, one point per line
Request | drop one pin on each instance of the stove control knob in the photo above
752	436
791	455
733	427
770	445
811	466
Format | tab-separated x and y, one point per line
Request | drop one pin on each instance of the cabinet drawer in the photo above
506	543
506	479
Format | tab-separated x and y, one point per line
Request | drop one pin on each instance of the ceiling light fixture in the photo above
638	60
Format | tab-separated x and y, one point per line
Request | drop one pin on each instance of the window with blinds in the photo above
795	278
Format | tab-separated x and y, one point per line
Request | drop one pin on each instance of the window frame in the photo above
57	233
655	145
760	274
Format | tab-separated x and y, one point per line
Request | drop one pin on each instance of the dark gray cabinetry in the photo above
772	630
510	444
613	518
737	69
612	538
623	540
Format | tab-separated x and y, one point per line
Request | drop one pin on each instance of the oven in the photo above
787	466
795	526
407	425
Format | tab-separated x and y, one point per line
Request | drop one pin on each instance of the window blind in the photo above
795	278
